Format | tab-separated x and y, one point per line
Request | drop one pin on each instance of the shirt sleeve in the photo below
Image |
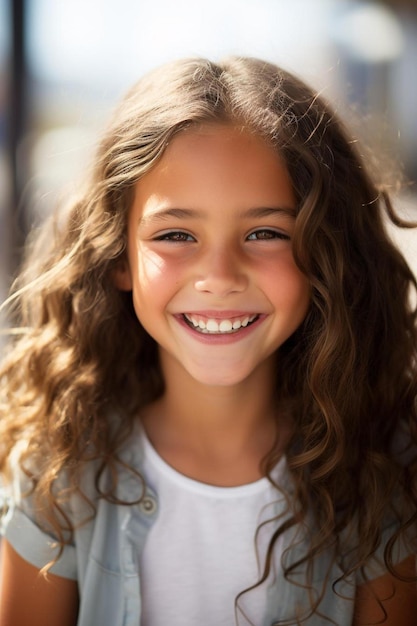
18	525
36	546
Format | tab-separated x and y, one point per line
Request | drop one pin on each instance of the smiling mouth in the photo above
219	327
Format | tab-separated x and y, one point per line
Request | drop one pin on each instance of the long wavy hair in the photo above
347	377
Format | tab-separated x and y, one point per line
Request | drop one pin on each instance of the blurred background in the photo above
63	66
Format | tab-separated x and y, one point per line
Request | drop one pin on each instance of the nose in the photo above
221	271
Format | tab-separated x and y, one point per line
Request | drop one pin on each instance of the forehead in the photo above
217	164
200	143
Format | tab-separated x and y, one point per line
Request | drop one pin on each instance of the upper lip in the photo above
220	315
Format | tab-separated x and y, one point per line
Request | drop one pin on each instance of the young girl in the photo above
208	415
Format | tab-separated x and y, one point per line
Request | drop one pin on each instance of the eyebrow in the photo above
255	212
270	211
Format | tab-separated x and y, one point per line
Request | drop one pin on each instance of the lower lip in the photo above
220	339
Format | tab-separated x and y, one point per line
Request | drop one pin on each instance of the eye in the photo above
177	236
266	234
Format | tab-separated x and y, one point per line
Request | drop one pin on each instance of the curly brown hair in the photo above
348	374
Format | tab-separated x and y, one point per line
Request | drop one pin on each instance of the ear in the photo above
121	275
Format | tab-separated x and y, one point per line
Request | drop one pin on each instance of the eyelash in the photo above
178	236
271	235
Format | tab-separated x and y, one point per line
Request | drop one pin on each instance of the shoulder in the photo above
95	503
388	599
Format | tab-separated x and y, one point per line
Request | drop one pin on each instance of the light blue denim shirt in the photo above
104	557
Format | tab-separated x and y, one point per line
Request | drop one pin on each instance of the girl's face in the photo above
209	256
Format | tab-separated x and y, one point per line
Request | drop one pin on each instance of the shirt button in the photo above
148	505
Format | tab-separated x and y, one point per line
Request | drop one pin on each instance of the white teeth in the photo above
223	326
212	326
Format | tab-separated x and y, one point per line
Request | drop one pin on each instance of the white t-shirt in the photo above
200	553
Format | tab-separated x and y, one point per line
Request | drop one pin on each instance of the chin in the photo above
220	379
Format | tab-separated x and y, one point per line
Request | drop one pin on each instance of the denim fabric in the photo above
104	556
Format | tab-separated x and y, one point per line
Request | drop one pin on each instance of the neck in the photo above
215	434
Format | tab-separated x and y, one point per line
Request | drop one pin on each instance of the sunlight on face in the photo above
210	258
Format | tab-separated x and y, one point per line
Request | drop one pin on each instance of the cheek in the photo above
150	267
299	291
155	282
290	289
152	275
